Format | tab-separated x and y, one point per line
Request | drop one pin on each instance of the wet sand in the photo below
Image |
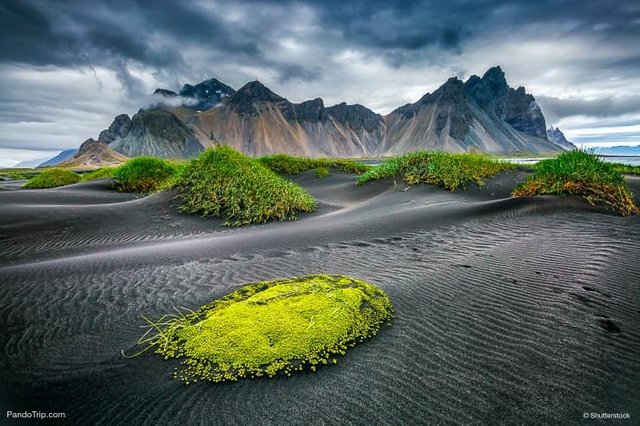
507	310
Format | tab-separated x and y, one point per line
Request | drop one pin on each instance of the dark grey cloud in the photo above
41	32
558	108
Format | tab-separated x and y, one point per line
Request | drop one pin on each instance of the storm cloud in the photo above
66	68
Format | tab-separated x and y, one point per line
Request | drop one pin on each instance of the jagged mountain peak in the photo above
206	89
258	91
355	116
453	88
555	135
494	73
491	86
245	99
201	96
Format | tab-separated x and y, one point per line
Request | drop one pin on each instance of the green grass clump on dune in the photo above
52	178
322	172
223	182
282	163
101	173
581	173
626	169
271	327
18	173
447	170
144	174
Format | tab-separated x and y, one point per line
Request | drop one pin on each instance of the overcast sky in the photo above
68	67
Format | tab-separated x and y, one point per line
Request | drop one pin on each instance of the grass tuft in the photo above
270	327
626	169
52	178
322	172
101	173
581	173
449	171
286	164
223	182
144	174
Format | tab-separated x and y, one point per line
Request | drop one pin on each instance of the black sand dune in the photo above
521	311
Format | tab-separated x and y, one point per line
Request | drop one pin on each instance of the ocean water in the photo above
631	160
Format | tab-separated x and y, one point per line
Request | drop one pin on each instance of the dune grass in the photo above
223	182
581	173
144	174
270	327
626	169
447	170
18	173
101	173
52	178
286	164
322	172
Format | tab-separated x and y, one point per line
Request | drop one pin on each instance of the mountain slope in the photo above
62	156
480	114
159	133
258	121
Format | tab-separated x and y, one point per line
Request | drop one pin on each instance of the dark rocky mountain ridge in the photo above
482	113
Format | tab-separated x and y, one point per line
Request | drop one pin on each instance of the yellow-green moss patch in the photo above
271	327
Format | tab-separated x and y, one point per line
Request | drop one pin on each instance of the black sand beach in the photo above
508	310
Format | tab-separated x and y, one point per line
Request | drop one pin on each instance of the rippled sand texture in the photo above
508	310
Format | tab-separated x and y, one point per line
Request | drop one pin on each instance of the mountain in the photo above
557	137
482	113
62	156
93	152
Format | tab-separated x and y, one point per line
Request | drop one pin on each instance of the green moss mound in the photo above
101	173
52	178
223	182
272	327
449	171
282	163
143	175
581	173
